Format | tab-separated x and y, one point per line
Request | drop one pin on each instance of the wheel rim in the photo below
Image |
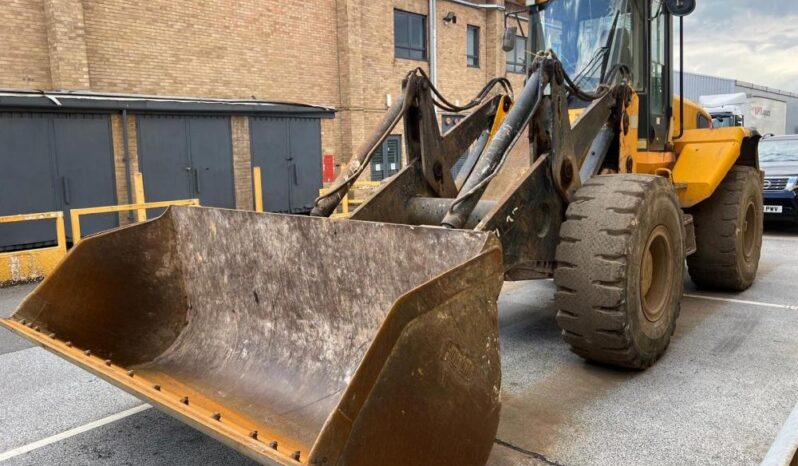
656	274
749	230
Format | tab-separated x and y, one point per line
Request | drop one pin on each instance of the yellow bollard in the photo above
257	189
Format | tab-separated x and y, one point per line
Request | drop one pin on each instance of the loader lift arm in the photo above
527	217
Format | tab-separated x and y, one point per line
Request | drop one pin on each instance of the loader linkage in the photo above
527	213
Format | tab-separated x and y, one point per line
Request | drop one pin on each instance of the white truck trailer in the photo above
766	115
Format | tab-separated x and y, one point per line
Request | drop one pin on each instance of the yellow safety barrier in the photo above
32	264
346	202
352	199
138	196
75	214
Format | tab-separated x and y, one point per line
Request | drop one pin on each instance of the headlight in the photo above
792	183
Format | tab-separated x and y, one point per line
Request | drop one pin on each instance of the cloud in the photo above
754	41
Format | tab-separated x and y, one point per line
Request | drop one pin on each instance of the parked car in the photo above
778	157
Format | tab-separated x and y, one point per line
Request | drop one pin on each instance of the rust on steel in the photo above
258	321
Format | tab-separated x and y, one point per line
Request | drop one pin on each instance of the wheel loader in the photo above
374	340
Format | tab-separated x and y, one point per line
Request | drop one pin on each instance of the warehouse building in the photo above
697	85
90	83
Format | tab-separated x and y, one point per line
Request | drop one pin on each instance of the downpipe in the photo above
433	42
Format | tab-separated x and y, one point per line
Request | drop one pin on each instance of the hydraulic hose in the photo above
510	130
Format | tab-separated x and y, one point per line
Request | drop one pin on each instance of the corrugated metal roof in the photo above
769	90
696	85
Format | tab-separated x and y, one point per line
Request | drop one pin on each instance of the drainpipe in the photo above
126	158
433	43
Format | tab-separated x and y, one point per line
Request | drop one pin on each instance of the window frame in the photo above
404	52
513	66
475	56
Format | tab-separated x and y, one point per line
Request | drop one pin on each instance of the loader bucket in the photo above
295	340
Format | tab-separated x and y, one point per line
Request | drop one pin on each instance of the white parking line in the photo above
71	432
741	301
780	238
783	450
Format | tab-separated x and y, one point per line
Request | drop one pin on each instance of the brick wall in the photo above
331	52
66	39
242	162
269	50
24	56
121	176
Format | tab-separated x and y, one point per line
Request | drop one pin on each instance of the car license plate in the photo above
772	209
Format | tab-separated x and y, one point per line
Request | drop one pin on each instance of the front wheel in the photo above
620	264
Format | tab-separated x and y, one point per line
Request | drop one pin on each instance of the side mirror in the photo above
508	41
680	7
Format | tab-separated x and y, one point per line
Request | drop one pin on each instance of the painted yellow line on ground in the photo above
741	301
71	432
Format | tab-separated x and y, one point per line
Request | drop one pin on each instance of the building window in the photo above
472	46
388	160
516	58
410	35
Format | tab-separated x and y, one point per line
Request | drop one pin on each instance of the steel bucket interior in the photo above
292	339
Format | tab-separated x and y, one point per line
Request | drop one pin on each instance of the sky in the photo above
747	40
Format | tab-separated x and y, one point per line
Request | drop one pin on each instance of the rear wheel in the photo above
620	264
728	232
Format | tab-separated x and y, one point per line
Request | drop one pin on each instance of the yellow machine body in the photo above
698	160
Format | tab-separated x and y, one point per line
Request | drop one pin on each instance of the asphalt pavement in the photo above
719	396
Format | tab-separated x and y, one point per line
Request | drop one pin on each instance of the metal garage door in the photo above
185	158
387	161
54	162
288	150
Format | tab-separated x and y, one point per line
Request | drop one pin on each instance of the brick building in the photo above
346	54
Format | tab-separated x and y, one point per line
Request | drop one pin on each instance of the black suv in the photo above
778	157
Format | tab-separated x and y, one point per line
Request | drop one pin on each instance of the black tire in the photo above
620	230
728	233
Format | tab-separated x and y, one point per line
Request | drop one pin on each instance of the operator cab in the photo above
598	40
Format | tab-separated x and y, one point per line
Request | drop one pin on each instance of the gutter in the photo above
88	101
478	5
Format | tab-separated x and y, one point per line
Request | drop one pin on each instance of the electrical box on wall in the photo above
328	168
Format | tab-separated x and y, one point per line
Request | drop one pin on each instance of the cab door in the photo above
660	89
